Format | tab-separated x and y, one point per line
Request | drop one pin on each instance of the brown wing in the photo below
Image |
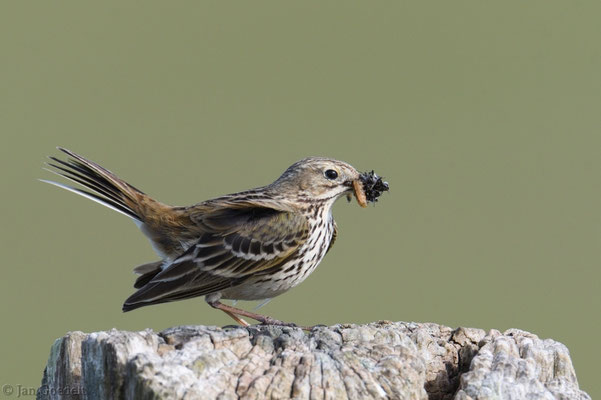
236	243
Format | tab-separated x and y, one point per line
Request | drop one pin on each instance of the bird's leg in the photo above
234	312
229	310
237	318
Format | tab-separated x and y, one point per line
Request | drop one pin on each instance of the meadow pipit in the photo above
250	245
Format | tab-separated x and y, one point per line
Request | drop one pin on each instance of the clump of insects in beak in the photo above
368	188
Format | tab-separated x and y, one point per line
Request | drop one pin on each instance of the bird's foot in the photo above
277	322
235	314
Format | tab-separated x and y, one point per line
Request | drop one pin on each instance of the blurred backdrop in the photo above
484	117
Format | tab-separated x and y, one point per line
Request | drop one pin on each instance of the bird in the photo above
251	245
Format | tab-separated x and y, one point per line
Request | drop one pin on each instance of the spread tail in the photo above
104	187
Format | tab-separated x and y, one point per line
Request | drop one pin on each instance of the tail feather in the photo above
105	188
98	199
73	172
147	272
163	225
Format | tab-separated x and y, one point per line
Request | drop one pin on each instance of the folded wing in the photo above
237	241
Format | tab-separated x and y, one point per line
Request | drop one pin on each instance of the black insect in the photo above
373	186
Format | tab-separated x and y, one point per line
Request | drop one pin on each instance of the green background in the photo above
485	117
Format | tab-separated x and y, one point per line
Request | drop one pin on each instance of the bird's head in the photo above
318	178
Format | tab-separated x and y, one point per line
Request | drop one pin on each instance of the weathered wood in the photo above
378	360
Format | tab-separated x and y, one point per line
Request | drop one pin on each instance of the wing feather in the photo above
237	243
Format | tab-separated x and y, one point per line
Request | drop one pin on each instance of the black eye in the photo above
331	174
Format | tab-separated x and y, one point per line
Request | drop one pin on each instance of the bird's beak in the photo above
359	193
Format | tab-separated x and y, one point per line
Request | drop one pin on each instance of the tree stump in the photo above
381	360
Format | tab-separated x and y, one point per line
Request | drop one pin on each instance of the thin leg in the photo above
237	318
234	312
